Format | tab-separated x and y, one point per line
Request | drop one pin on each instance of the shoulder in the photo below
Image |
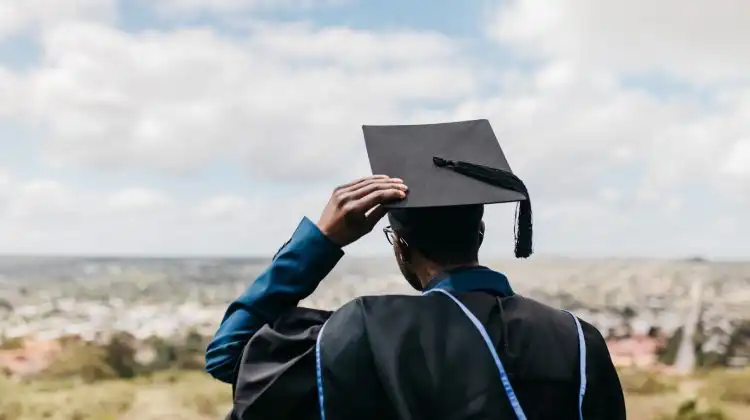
564	319
371	314
536	315
548	321
347	336
597	354
409	309
597	351
365	309
592	334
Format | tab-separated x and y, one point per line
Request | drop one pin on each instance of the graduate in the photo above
468	347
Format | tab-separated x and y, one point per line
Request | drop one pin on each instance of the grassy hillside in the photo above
195	396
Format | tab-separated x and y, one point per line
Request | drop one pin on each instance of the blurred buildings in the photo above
637	305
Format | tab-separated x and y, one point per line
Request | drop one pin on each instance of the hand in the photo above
355	208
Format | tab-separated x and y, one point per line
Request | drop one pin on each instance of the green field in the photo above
195	396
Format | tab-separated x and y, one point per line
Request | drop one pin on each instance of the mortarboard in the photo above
450	164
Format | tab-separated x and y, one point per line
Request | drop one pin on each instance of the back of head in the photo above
444	235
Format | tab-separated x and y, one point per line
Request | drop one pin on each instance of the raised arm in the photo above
293	275
299	266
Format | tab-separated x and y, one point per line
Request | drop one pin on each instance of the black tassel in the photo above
503	179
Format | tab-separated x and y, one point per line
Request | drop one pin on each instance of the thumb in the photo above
374	215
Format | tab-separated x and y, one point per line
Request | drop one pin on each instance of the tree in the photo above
691	410
12	344
739	343
5	306
166	354
668	354
194	342
82	360
120	355
191	355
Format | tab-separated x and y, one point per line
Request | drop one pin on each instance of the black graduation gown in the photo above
419	357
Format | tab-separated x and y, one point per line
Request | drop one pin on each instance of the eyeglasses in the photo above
390	235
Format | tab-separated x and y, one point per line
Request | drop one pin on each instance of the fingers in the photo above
379	196
347	197
366	196
360	181
366	188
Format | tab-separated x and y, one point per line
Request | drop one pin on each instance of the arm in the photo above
310	255
293	275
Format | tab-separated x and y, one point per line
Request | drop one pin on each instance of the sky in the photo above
211	127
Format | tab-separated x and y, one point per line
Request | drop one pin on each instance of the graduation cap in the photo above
447	165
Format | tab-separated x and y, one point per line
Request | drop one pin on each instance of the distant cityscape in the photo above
699	309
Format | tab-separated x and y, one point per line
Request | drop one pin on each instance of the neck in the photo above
431	270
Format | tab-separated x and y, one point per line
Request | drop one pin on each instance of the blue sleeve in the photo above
293	275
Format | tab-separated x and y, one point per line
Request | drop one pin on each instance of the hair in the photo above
444	235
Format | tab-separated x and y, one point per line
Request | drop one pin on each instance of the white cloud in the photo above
137	199
19	15
176	101
224	207
586	50
699	41
735	169
737	162
4	189
566	131
40	199
342	45
10	99
46	216
613	169
610	195
233	6
51	203
52	217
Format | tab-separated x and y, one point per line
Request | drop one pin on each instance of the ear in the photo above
481	232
